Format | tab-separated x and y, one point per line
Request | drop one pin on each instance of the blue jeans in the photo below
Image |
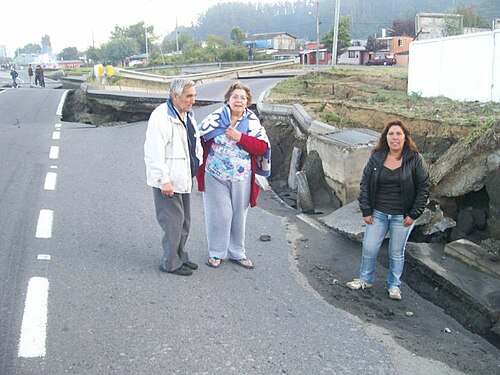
374	236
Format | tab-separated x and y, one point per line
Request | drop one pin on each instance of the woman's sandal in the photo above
214	262
243	262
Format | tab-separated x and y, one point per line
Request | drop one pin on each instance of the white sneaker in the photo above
394	293
358	284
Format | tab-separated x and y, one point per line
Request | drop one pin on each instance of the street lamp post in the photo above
146	30
146	35
335	33
176	36
317	33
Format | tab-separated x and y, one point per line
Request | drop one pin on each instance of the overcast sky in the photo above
85	22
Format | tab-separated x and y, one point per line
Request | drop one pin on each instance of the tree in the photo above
471	17
452	25
138	33
214	45
237	36
69	53
117	50
344	38
193	52
184	39
233	53
371	43
31	48
92	55
402	27
46	45
374	45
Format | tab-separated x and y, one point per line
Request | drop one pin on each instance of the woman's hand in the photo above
407	221
368	219
233	134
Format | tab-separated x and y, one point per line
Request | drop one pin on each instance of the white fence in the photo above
462	67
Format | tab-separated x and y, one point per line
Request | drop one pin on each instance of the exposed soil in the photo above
328	260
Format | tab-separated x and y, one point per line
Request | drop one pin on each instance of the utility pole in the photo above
335	33
176	36
146	35
317	33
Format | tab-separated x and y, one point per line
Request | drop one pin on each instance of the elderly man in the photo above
172	153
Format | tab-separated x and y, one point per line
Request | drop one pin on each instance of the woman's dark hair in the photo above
382	141
238	86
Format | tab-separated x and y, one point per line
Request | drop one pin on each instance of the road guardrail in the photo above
142	76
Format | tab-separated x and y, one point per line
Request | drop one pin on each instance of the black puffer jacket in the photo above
414	177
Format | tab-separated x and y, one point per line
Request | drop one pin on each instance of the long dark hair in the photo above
382	141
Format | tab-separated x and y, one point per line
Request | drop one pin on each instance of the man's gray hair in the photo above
178	85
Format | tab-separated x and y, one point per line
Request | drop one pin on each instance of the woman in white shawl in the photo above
236	148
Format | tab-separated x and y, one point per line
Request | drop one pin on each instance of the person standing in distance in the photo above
37	75
41	76
172	153
393	193
30	74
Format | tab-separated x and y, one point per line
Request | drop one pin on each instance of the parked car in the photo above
136	64
381	60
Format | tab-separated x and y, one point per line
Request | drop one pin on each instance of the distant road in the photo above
23	80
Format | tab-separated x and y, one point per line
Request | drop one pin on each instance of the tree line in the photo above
212	38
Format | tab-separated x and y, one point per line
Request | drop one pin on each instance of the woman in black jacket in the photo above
394	191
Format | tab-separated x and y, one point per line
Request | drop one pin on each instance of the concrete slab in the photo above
347	220
352	137
471	286
474	255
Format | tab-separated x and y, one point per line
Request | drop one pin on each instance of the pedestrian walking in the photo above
14	76
30	73
394	190
172	153
236	147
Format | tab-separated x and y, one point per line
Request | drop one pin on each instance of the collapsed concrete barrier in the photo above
343	152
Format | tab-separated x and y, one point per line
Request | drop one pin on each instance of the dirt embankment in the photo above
370	97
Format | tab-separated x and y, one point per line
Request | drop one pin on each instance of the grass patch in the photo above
289	91
481	128
383	97
383	90
332	118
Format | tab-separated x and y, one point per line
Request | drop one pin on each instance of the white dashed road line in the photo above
34	325
44	226
50	181
54	152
